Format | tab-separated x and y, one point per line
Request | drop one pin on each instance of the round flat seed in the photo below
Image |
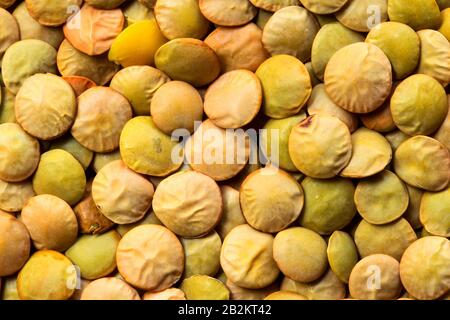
14	195
360	84
20	153
24	59
381	119
247	258
342	254
275	211
92	31
202	255
14	244
105	106
419	105
291	31
371	154
329	204
188	60
147	150
45	106
423	163
286	86
430	280
176	105
217	153
238	47
72	62
51	222
48	275
382	198
320	146
363	15
61	175
137	44
391	239
102	159
188	203
234	99
412	214
375	277
121	194
181	19
101	259
434	209
300	254
228	13
150	257
201	287
422	14
52	13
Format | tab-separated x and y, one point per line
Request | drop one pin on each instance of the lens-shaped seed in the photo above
391	239
14	195
51	222
275	211
320	146
201	287
434	215
101	259
426	281
382	198
147	150
342	254
247	258
47	275
300	254
424	163
121	194
238	47
291	31
188	203
14	244
375	277
101	105
176	105
150	257
20	153
329	204
228	13
60	174
362	83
